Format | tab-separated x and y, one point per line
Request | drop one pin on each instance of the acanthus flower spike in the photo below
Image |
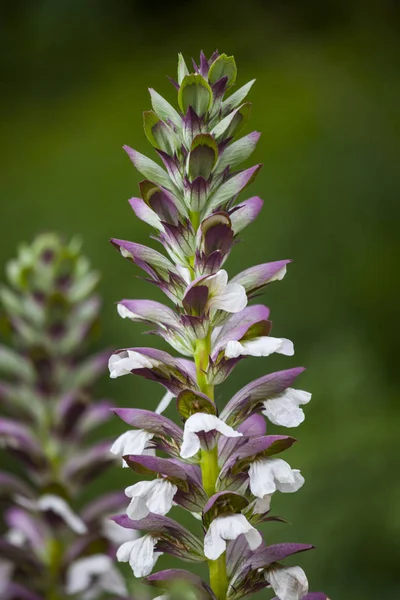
221	466
51	548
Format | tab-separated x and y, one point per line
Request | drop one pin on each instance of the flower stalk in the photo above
221	467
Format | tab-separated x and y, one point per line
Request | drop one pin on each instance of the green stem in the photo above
209	465
218	577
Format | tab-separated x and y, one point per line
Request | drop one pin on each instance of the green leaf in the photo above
189	402
203	156
237	98
182	68
195	92
164	109
224	66
238	152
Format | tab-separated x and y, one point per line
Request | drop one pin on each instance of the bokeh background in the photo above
75	74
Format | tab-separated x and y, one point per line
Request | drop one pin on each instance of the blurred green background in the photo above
75	77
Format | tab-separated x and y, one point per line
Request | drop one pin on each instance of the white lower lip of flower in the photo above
60	507
134	441
225	528
230	297
288	583
81	573
150	497
261	346
123	363
284	409
272	474
202	422
140	555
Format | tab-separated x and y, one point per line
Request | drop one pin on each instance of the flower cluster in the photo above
222	466
48	549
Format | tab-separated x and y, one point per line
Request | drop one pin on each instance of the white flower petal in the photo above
262	505
230	297
229	527
262	481
94	574
217	283
122	363
140	555
202	422
293	483
134	441
260	346
164	403
60	507
271	474
150	496
284	409
289	583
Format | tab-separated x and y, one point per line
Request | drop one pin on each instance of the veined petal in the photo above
122	363
225	528
284	409
140	555
202	422
288	583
